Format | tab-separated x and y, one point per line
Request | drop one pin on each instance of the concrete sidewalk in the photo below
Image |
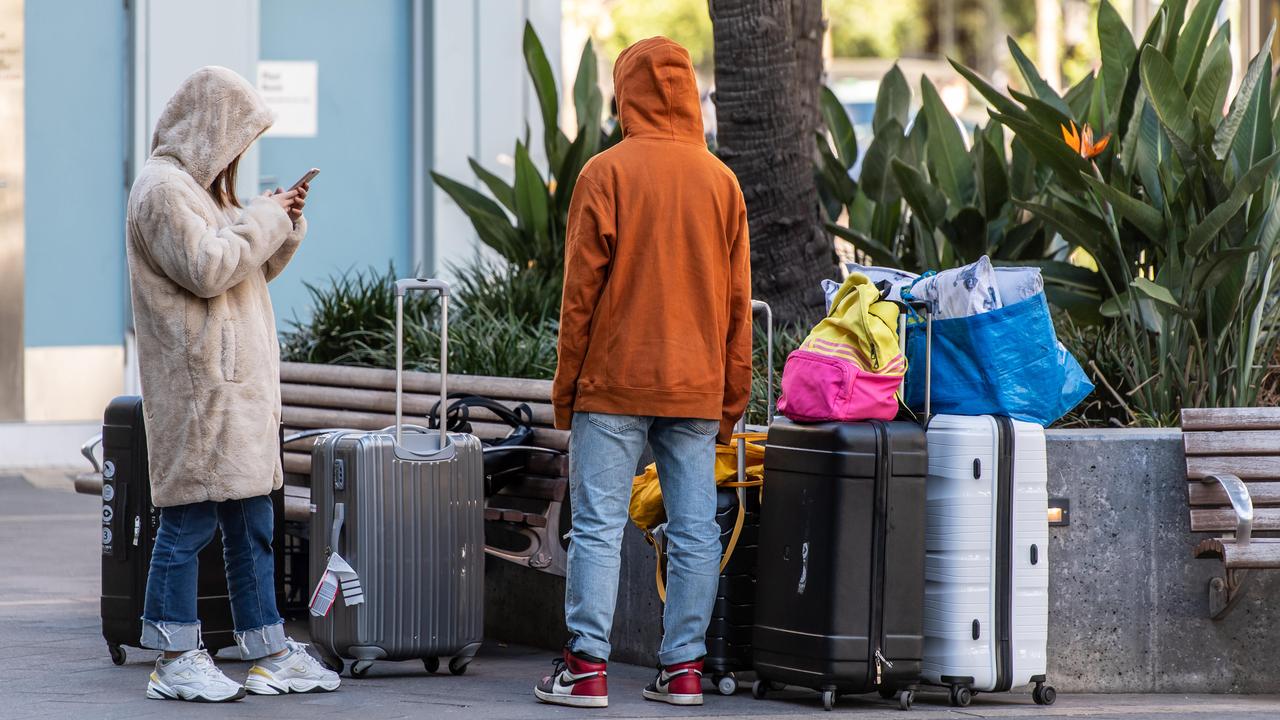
54	664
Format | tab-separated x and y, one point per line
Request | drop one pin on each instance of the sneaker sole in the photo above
157	691
671	699
584	701
261	686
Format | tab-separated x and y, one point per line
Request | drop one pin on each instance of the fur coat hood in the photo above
208	355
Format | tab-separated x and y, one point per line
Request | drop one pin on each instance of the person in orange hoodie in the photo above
655	347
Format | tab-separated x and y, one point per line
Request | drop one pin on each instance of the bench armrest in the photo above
1238	493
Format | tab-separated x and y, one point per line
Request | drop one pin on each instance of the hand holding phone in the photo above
305	179
295	198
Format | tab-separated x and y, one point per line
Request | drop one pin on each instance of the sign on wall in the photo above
290	88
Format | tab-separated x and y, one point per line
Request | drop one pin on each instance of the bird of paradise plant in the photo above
1180	213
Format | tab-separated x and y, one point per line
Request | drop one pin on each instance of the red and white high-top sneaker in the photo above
575	682
679	684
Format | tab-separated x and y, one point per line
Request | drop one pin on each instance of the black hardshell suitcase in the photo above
839	608
129	525
728	636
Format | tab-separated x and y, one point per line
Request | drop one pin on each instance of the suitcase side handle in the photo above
339	517
426	285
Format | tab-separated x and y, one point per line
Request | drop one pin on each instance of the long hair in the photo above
223	188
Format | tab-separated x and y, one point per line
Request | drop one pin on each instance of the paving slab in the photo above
53	662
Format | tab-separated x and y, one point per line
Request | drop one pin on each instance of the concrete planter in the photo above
1129	610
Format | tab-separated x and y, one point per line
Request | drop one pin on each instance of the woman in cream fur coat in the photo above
199	264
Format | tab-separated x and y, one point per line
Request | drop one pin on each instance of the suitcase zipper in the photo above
879	531
1004	556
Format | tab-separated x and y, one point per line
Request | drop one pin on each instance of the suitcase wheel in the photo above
905	698
828	699
759	689
458	665
961	696
726	684
1044	694
360	668
118	655
432	664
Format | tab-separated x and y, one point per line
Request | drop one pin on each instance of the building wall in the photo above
76	133
360	209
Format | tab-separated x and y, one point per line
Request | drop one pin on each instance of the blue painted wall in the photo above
76	111
359	212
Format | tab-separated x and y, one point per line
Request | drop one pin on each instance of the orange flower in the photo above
1082	141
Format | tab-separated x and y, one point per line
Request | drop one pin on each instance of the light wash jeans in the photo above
603	453
169	619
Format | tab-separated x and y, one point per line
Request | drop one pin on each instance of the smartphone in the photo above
311	174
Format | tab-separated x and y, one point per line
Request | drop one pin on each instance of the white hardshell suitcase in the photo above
986	613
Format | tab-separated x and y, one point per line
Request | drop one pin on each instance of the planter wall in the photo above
1129	608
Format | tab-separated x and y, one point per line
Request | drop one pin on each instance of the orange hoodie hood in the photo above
657	92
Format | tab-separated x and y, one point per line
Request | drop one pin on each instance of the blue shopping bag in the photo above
1004	362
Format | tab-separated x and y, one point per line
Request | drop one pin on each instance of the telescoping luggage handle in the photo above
428	285
921	308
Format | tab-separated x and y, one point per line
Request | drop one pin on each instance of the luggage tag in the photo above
338	575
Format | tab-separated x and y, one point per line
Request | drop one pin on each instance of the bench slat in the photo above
1264	520
361	399
347	376
1255	442
1245	467
300	417
1260	554
1202	494
1231	419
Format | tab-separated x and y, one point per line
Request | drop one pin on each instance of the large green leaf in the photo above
993	180
575	157
834	173
1044	114
998	100
1238	118
1195	38
878	252
1147	219
1048	150
1175	15
504	193
1078	228
1210	91
1080	95
1035	83
1133	85
544	85
1165	93
876	180
837	120
1118	51
893	101
1253	139
1155	291
532	212
967	233
588	102
925	200
1204	232
487	217
948	157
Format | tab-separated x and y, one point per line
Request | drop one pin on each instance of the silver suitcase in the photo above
405	509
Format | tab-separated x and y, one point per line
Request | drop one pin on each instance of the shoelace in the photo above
202	663
309	659
557	666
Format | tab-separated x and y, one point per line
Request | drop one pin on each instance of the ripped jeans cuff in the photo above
261	642
170	636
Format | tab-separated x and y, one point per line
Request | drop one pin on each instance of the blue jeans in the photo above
603	453
169	620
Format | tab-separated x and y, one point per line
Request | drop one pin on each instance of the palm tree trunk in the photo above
768	56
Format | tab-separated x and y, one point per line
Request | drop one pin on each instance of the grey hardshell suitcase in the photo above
405	509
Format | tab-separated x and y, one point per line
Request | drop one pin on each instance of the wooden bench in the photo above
1233	473
525	520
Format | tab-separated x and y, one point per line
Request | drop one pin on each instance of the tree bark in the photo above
768	60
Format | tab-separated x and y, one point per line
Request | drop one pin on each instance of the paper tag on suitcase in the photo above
338	575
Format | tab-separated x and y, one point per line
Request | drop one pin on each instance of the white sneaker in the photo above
295	671
192	676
